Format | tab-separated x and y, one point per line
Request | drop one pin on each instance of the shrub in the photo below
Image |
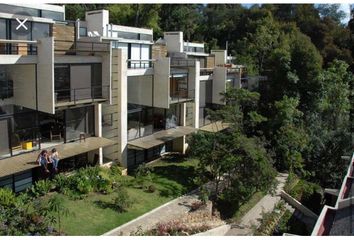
41	188
7	197
143	170
151	188
61	183
196	205
122	202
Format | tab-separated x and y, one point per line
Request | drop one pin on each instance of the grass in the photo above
171	179
256	197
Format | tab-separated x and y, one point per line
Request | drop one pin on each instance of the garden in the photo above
94	200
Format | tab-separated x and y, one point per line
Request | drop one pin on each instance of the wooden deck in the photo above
215	127
27	161
161	137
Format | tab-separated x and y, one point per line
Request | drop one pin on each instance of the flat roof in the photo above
161	137
343	224
27	161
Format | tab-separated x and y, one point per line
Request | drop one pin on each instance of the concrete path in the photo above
266	204
169	211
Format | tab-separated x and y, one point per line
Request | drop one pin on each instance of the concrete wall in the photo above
194	83
107	76
24	80
174	41
219	84
117	112
161	85
97	21
140	90
45	75
220	56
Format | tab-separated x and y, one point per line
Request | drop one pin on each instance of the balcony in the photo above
140	64
74	47
182	62
18	47
181	96
71	97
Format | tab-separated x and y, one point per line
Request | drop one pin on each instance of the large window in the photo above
58	16
79	121
136	53
21	33
3	29
40	30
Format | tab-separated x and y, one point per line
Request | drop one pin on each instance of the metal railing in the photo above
75	95
181	95
18	47
206	71
140	64
181	62
80	46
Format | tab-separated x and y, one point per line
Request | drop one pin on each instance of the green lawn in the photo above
171	177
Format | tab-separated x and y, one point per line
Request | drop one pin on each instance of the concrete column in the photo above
122	106
98	129
183	114
179	145
194	83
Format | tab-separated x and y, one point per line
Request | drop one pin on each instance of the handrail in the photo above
73	94
182	62
182	95
80	46
140	64
17	41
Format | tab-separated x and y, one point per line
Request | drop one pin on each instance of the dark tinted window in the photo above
145	37
53	15
128	35
2	28
20	32
83	32
19	10
40	30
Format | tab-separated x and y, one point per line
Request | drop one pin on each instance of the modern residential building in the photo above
100	93
52	87
338	220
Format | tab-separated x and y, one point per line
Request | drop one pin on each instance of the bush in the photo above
7	197
196	205
41	188
151	188
122	202
143	170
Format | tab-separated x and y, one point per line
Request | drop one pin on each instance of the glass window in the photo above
133	125
78	121
97	80
58	16
5	8
4	139
145	37
62	82
128	35
40	30
83	32
123	46
20	32
2	29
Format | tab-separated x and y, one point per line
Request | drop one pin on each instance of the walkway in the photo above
266	204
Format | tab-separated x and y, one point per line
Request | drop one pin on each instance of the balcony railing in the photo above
81	95
18	47
181	62
206	71
140	64
181	96
72	47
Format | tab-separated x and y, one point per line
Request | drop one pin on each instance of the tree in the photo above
56	205
289	136
333	11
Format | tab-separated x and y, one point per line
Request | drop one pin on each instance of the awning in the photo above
27	161
161	137
215	127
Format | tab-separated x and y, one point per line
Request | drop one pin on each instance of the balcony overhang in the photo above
215	127
161	137
27	161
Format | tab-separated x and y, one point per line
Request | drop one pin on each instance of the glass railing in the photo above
77	95
140	64
72	47
181	96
